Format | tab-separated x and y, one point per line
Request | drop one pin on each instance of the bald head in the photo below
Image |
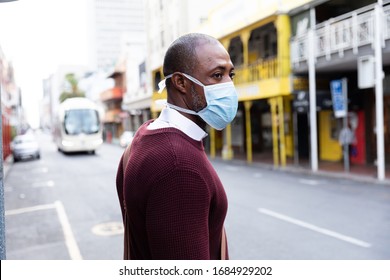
181	55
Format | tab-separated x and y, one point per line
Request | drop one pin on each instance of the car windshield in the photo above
24	139
81	121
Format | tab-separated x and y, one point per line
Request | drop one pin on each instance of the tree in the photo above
72	89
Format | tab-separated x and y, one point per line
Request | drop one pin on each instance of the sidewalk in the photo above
7	164
362	173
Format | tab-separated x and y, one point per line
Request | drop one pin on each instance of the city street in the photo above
66	207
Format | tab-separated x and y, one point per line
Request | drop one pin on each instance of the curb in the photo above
337	175
308	172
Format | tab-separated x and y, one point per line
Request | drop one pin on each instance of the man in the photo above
173	203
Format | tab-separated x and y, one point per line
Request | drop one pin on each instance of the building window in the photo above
236	51
162	39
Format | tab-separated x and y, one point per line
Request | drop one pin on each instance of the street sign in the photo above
366	71
338	89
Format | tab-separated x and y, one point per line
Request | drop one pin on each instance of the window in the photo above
81	121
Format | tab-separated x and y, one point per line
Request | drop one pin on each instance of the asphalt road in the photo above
65	207
276	215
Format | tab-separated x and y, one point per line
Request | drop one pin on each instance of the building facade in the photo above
269	45
112	99
11	111
117	37
136	99
344	47
113	23
257	39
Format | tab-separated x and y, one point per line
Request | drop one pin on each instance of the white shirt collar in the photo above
172	118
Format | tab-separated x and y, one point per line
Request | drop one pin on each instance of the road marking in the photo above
40	170
315	228
43	184
309	182
108	229
232	168
70	241
29	209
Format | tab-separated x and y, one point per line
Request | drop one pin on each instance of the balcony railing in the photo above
260	70
337	35
112	94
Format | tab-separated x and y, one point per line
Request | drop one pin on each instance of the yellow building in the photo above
260	53
257	39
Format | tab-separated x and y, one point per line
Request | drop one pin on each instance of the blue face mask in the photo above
222	103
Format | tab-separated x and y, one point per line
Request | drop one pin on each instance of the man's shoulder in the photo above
170	144
174	136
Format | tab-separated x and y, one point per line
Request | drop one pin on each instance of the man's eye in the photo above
218	75
232	75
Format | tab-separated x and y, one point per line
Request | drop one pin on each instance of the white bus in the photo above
78	126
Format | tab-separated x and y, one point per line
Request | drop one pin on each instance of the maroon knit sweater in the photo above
175	201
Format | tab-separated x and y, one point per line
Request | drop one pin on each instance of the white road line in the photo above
70	241
232	168
309	182
108	229
29	209
43	184
68	233
40	170
315	228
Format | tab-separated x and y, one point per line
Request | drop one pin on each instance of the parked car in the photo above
25	146
126	138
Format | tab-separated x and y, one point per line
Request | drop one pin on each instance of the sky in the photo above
39	35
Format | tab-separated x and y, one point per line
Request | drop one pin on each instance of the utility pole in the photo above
312	92
380	145
2	214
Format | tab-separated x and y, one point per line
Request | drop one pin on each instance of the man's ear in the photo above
179	83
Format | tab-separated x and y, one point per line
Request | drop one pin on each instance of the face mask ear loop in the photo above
162	84
181	109
196	81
